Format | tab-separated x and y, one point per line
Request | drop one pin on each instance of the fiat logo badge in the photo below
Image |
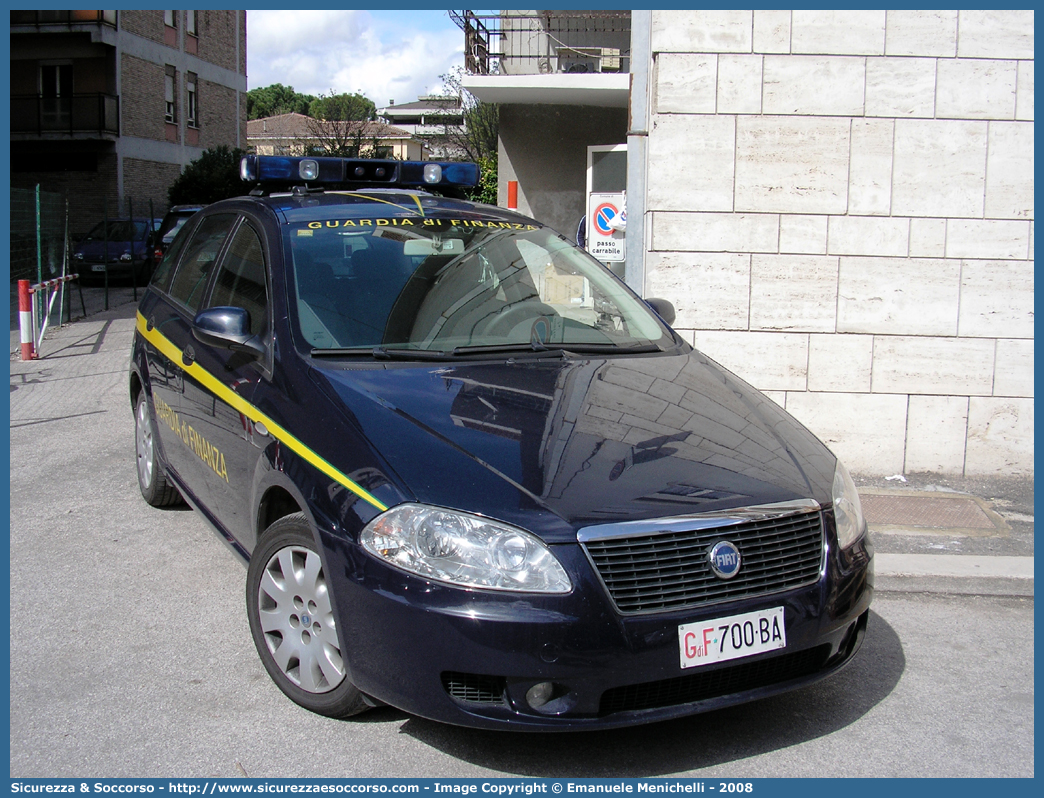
724	559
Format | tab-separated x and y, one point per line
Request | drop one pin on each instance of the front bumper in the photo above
469	657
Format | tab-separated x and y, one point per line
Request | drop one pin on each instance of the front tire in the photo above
152	482
291	620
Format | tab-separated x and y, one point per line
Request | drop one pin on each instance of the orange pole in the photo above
513	195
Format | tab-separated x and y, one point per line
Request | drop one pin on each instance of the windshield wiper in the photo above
607	348
381	353
557	349
529	350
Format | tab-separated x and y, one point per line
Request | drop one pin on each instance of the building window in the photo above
56	95
169	84
190	23
170	19
191	108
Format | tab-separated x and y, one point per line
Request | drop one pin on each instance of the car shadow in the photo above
691	743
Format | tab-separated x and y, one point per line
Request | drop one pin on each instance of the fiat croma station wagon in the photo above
475	477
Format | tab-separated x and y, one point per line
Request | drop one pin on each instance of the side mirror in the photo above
227	328
663	309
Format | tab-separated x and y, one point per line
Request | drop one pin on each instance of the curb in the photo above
954	573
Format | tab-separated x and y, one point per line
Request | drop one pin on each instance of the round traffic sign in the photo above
603	217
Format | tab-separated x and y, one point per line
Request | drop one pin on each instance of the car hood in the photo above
557	445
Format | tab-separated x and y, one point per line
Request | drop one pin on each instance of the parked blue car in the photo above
124	245
474	476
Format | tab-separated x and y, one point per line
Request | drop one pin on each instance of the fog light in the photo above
539	694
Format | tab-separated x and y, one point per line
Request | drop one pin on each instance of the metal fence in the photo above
543	42
39	224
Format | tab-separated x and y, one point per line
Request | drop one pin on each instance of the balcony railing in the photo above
97	114
529	43
63	18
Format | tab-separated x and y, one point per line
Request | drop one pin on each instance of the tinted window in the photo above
200	253
241	281
161	275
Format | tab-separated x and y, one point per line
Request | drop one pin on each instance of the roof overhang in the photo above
604	89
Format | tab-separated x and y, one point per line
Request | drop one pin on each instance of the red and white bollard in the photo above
25	320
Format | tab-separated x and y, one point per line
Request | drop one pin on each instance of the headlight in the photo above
848	514
464	550
126	256
78	255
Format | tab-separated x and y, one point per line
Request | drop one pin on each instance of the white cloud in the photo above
384	56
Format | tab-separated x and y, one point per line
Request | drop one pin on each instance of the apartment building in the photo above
108	106
297	134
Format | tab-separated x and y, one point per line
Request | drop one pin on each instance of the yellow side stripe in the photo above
227	395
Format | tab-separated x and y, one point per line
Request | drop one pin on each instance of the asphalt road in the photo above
131	656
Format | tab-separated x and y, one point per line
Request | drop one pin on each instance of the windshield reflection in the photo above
443	285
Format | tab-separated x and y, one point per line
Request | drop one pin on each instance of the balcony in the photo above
62	18
81	116
546	42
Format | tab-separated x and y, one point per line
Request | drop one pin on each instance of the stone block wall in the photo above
840	205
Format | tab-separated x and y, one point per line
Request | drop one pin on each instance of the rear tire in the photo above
291	620
155	488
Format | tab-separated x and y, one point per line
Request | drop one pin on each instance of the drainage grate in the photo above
924	511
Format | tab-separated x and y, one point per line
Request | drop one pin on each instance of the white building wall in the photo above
840	205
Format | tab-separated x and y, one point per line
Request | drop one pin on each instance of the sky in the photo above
384	55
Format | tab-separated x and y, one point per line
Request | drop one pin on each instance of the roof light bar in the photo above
357	172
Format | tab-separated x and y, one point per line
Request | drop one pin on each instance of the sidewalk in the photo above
93	302
931	533
951	534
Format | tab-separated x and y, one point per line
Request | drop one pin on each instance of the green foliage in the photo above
276	99
486	190
342	108
211	177
341	126
477	137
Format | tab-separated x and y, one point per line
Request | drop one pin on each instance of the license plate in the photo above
98	267
720	639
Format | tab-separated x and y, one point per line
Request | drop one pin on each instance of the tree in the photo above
476	138
342	125
211	177
276	99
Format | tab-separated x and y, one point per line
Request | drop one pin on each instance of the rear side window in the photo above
161	276
241	280
190	280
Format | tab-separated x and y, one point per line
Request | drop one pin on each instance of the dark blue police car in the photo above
474	476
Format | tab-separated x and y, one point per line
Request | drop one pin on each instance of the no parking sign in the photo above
606	218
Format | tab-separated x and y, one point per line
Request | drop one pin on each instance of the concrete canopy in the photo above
606	89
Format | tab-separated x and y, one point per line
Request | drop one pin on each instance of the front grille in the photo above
474	687
701	686
670	570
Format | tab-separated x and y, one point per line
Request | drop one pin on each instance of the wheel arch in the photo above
276	502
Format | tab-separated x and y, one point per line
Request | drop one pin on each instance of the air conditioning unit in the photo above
575	63
610	59
588	59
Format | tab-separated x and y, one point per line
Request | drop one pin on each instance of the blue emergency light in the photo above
330	172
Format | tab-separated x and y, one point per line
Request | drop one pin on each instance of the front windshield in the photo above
118	230
446	285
